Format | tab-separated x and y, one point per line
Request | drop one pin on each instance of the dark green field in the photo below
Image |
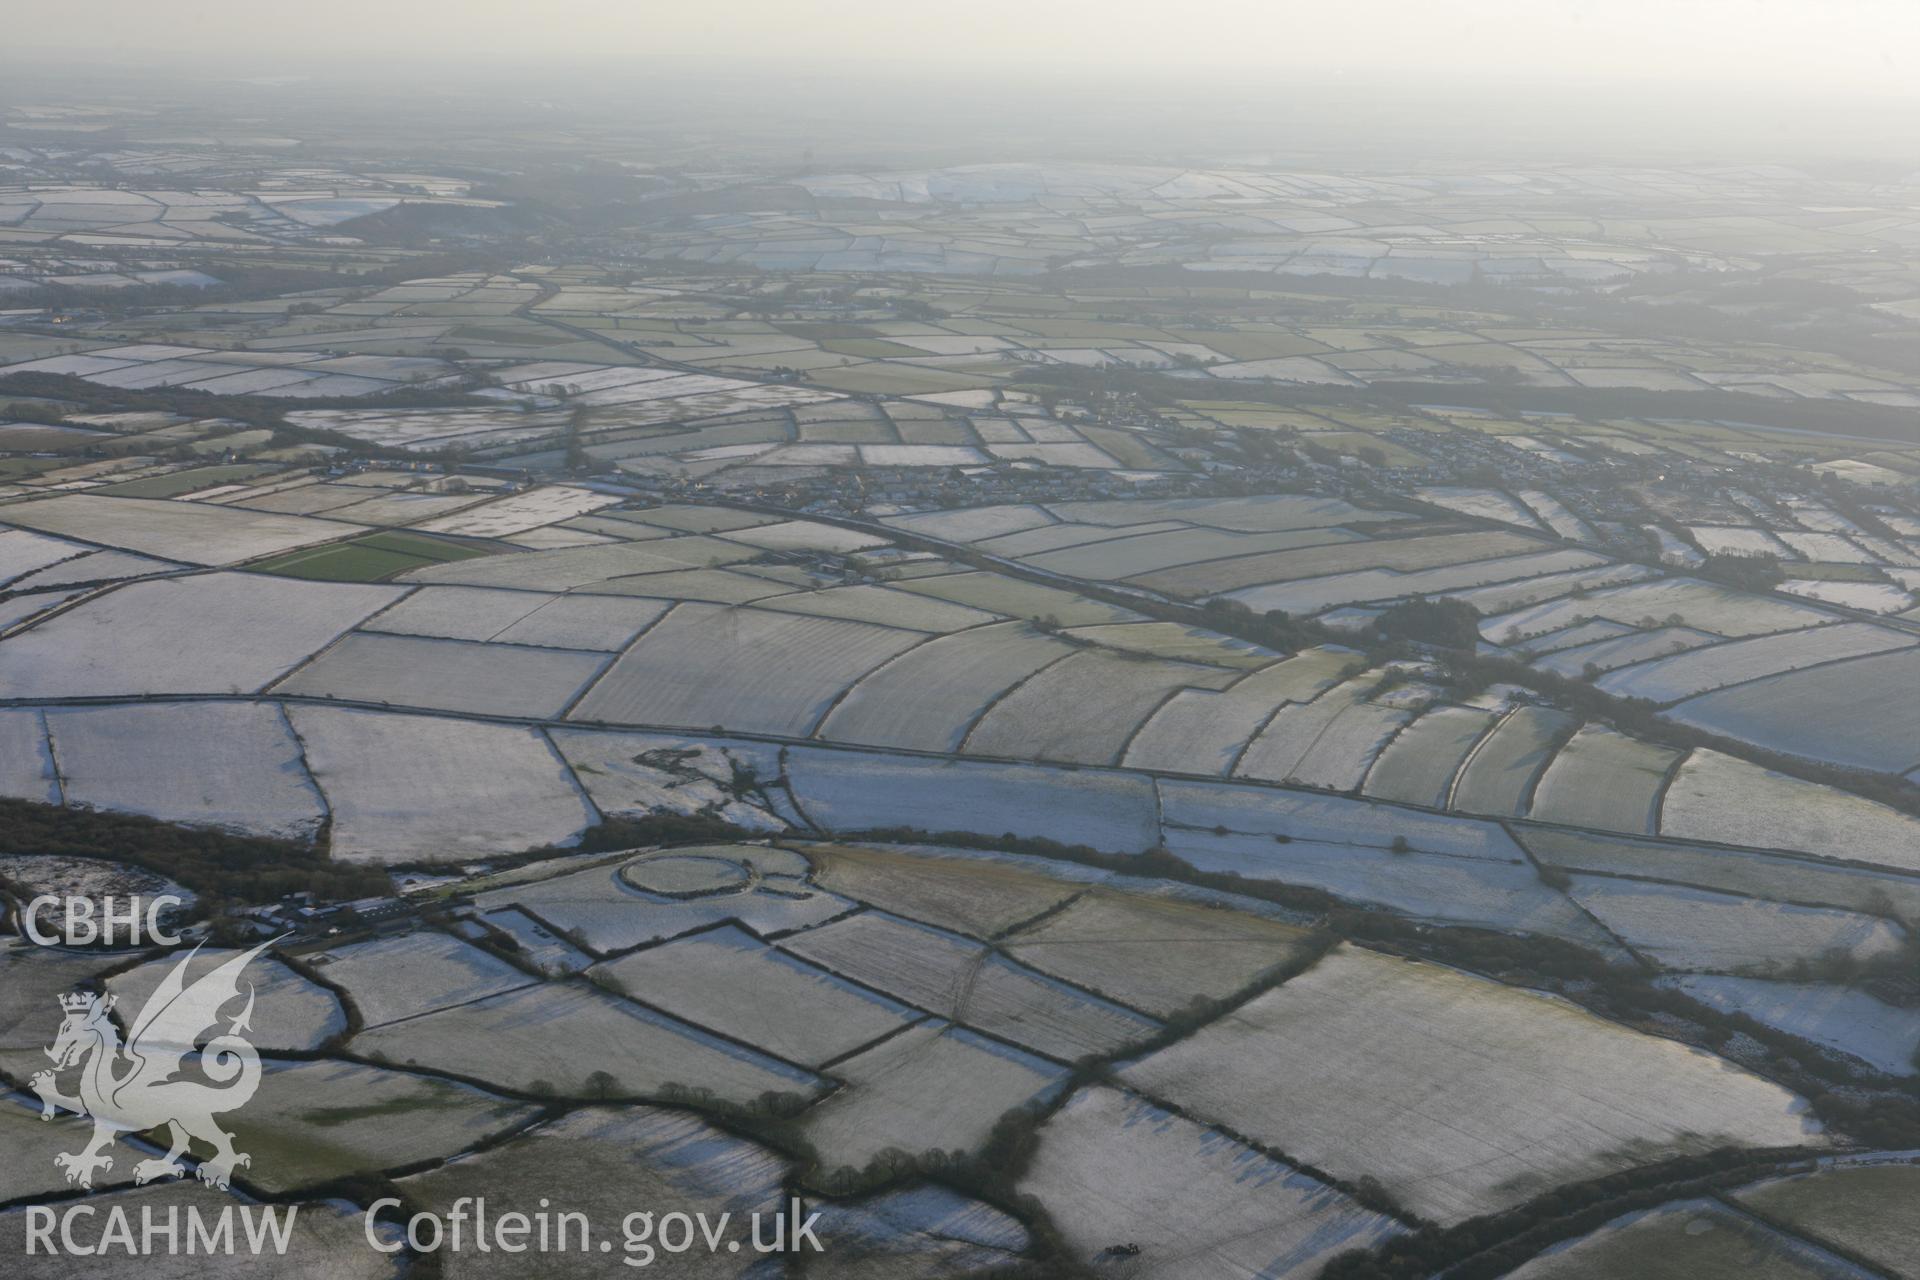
374	558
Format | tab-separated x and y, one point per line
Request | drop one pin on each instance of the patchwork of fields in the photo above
1166	715
508	687
912	999
1059	779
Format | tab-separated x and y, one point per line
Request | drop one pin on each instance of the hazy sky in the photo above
1796	47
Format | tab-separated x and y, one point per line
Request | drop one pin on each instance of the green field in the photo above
15	468
175	483
374	558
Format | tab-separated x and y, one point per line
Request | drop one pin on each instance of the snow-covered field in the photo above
1860	712
1705	606
1418	766
291	1012
603	1162
1722	541
927	698
563	1034
404	975
1718	933
1276	753
1340	757
634	774
1157	952
1312	595
1017	598
24	552
729	981
932	1087
1603	778
519	512
447	675
1203	806
406	788
520	617
316	1121
1853	1022
923	1232
212	633
1715	796
1206	730
1645	648
883	606
1687	674
1780	877
234	765
189	532
1495	1094
26	762
602	909
1480	892
1499	776
1084	708
1111	1166
856	791
1486	504
961	980
704	666
1179	642
974	523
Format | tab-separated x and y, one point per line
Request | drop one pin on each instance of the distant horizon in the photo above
1857	46
1844	50
1174	114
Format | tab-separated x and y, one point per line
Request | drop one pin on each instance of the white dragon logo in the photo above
145	1094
